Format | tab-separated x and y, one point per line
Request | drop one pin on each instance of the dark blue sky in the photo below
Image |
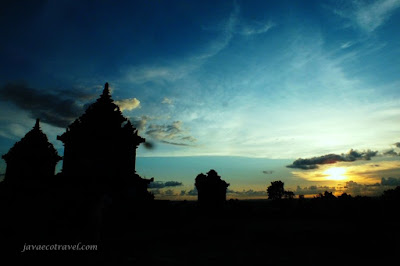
257	79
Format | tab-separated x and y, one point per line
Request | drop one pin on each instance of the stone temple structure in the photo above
99	155
33	159
211	189
100	149
97	192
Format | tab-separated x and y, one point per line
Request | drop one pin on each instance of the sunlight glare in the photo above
335	173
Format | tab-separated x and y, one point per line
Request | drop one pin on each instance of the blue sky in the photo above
266	81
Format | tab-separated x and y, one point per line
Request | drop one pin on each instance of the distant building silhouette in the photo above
211	188
100	149
32	159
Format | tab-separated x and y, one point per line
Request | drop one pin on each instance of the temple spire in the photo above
106	91
37	124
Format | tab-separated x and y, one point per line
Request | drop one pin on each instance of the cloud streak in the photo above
267	172
177	70
250	193
140	122
160	184
173	134
351	156
256	28
369	16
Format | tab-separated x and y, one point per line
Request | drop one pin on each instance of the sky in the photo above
243	87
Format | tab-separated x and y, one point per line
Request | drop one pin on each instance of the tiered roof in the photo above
33	145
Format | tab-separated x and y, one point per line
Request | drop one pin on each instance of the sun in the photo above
335	173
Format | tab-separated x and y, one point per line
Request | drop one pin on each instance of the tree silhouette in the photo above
344	196
326	196
288	194
276	190
392	194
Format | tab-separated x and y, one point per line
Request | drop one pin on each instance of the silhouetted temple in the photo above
32	159
98	184
100	148
211	188
99	154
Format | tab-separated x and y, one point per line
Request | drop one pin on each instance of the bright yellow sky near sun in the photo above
363	172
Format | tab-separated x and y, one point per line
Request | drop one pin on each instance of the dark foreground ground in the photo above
290	232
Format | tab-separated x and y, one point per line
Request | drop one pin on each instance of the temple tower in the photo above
32	159
211	188
100	146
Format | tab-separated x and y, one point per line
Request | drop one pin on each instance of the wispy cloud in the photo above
173	134
369	15
179	69
140	122
167	101
13	131
346	45
255	28
171	72
315	104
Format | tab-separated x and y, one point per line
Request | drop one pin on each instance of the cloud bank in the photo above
160	184
58	107
351	156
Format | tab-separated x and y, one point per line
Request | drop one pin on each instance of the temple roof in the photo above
211	179
102	115
35	144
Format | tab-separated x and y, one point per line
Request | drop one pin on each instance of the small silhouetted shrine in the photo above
32	159
211	188
100	148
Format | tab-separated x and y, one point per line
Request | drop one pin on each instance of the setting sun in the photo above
335	173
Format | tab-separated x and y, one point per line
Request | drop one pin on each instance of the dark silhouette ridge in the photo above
211	189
